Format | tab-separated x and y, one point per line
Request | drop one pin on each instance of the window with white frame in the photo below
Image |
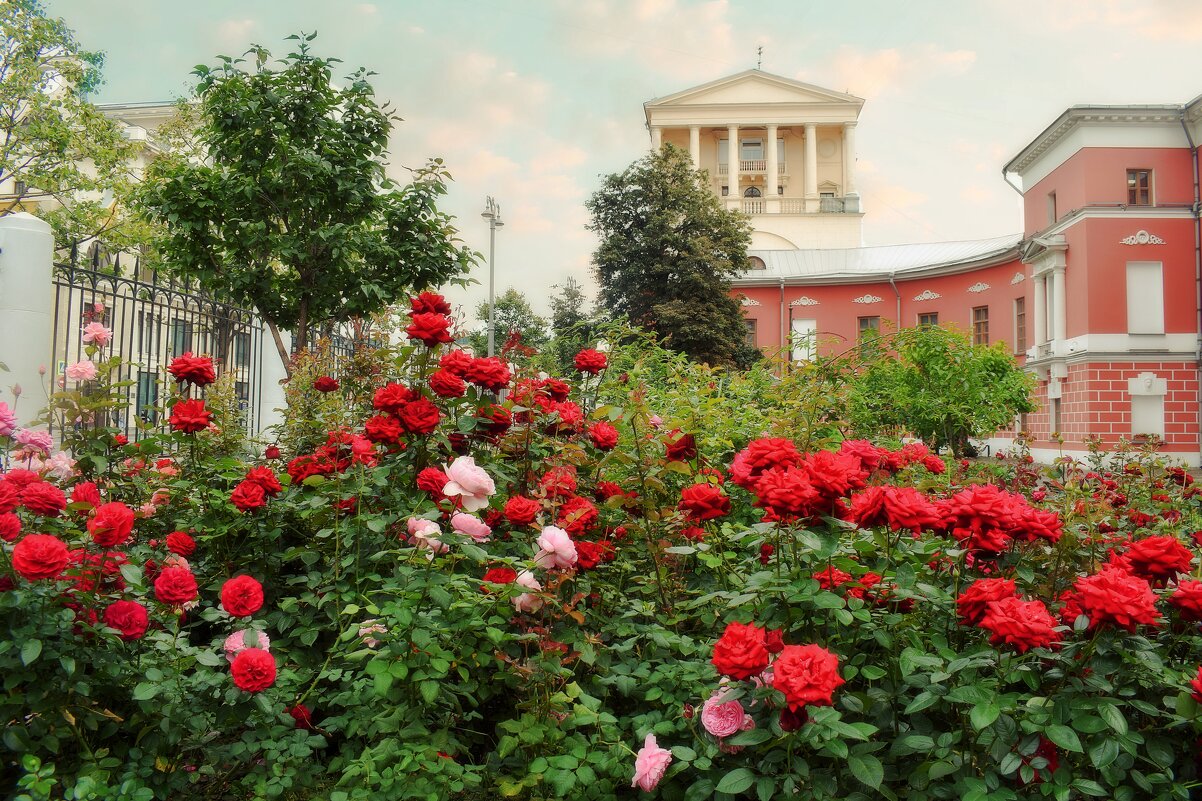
1145	297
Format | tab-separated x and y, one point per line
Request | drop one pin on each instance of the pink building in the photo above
1100	296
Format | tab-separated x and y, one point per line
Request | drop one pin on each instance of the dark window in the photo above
1020	325
980	325
148	396
1139	187
19	188
181	337
756	263
242	349
751	337
930	318
869	327
752	191
725	191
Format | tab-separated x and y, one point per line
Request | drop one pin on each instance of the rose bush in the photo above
649	577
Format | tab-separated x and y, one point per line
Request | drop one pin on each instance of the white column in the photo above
811	167
657	138
695	145
772	166
271	375
1040	310
732	160
849	160
26	309
1060	320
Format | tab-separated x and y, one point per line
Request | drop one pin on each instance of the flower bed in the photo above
577	592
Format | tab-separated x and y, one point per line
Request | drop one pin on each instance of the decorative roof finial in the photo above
759	57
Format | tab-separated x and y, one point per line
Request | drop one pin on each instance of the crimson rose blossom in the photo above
86	492
603	435
391	397
1114	597
432	480
242	596
248	496
419	416
1187	598
704	502
432	329
40	556
1158	559
488	373
302	716
190	416
591	361
973	602
806	674
499	575
326	383
895	507
111	525
680	448
520	511
10	496
10	527
383	428
127	617
741	652
576	515
1196	686
760	455
180	543
195	369
446	384
456	362
429	303
175	586
1023	624
253	670
43	498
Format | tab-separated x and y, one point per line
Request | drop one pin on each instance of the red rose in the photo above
457	362
499	575
766	551
832	578
806	674
559	482
603	435
43	498
265	478
557	388
786	492
1023	624
86	492
432	480
591	554
21	478
419	417
981	517
760	455
111	525
520	511
680	448
495	419
326	384
10	527
272	452
774	641
896	507
488	373
120	440
429	303
307	465
127	617
175	586
792	721
196	369
446	384
1114	597
741	652
301	716
242	596
576	516
704	502
253	670
391	397
1196	685
1187	598
190	416
383	428
248	496
40	556
590	361
1158	559
432	329
693	533
833	475
10	496
180	543
974	601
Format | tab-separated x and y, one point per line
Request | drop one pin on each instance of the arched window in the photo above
752	191
756	263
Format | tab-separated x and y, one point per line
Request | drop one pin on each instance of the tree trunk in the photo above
285	357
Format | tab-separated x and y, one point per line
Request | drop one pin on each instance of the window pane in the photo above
980	325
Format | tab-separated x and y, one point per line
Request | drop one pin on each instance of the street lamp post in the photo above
492	213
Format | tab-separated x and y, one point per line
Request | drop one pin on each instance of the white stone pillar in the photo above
271	372
1040	310
26	312
1060	320
657	138
695	145
733	151
772	179
811	167
849	160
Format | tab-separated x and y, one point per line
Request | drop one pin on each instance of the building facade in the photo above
1100	295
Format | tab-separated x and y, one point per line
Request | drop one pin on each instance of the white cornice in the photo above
1078	116
1134	213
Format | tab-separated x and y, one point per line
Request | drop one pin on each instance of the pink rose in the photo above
82	371
556	549
471	526
36	440
470	482
425	535
239	641
368	628
96	334
8	420
527	602
650	764
722	718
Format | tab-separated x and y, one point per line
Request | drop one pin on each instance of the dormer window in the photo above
756	263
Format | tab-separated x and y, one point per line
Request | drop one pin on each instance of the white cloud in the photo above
869	74
235	32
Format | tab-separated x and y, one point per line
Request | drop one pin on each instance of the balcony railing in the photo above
752	167
790	205
794	205
755	206
831	205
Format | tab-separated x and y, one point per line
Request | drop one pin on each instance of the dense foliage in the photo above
667	253
290	211
435	594
513	319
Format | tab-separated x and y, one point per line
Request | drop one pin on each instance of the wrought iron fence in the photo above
153	320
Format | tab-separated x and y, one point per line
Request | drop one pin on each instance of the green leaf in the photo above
1104	753
867	769
145	691
30	651
1064	737
765	788
429	691
1090	787
736	781
984	714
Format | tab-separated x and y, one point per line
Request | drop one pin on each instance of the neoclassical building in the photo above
1100	295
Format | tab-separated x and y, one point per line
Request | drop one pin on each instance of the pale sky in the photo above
532	101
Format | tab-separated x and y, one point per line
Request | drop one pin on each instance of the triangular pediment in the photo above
755	87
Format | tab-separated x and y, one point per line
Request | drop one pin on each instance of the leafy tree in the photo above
668	252
513	314
940	386
59	154
571	324
290	211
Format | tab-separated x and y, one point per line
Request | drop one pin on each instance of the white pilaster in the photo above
1040	309
811	166
772	164
849	160
1060	326
695	145
26	306
657	138
733	151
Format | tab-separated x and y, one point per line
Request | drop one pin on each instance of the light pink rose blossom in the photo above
722	718
526	602
471	526
369	628
96	334
8	420
82	371
650	764
35	440
425	535
238	642
556	549
147	509
60	466
161	497
655	420
470	482
175	560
